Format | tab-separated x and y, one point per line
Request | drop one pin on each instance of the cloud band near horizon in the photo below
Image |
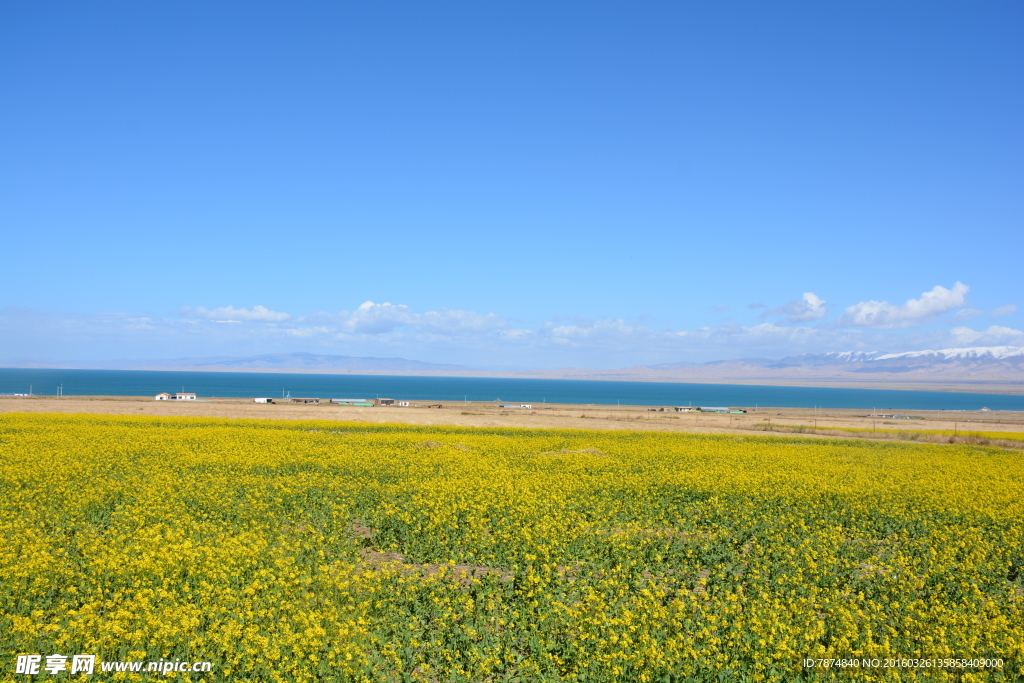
466	337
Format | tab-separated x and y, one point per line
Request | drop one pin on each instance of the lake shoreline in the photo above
999	387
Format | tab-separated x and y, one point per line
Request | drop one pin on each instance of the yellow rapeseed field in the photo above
327	551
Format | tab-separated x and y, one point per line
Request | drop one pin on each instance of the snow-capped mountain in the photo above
974	353
832	358
969	353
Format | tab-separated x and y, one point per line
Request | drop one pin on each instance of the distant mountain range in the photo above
983	363
989	364
993	365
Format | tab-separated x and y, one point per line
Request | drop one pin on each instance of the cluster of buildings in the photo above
377	402
367	402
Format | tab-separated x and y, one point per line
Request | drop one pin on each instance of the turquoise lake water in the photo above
274	385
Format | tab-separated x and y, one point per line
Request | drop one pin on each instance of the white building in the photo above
164	396
262	400
184	397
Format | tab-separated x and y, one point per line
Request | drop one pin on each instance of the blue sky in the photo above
509	184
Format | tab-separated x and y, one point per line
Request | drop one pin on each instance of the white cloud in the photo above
616	336
995	335
374	318
758	336
232	314
454	322
307	331
965	314
810	307
371	318
606	333
883	315
458	336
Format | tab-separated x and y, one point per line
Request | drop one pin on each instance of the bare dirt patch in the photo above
435	444
372	559
582	451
